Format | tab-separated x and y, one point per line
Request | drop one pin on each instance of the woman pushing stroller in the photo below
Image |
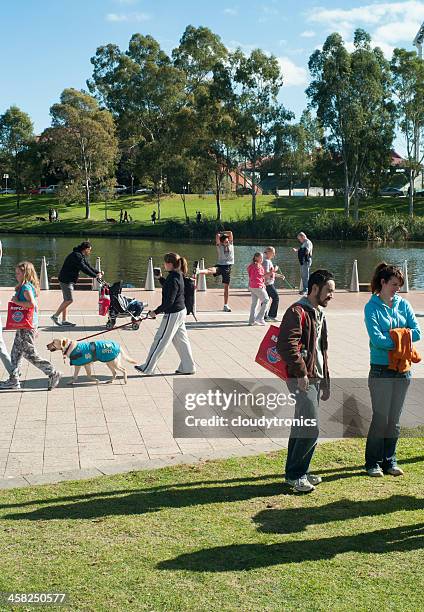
172	327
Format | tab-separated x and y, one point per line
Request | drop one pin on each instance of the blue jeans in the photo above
303	440
388	390
304	273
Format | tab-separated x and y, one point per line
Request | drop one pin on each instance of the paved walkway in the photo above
88	429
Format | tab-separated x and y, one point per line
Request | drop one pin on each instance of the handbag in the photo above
19	317
104	301
268	356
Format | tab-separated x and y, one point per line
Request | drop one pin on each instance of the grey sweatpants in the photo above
172	329
24	346
261	296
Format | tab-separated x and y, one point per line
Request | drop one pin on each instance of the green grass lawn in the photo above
224	535
141	207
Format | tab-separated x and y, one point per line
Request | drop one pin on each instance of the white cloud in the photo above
293	75
231	11
389	23
371	14
127	17
308	34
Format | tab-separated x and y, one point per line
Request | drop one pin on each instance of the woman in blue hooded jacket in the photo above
386	310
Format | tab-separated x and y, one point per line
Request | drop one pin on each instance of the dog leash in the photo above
109	330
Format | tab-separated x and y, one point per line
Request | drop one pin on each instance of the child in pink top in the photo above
257	277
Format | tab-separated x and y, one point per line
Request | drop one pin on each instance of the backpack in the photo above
189	289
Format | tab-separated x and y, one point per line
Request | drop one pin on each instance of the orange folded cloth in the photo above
404	354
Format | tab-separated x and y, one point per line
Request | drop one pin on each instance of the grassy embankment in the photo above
224	535
277	217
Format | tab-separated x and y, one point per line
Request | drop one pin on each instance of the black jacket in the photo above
73	265
172	293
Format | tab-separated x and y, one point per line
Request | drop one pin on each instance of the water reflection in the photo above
126	258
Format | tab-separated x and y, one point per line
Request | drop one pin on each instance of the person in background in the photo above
198	216
304	254
172	327
257	289
386	310
4	353
270	268
74	263
302	343
26	293
153	217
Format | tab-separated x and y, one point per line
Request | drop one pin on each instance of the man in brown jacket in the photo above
302	343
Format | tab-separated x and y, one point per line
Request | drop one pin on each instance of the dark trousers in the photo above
303	440
388	391
272	292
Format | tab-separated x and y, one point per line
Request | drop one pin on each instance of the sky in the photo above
46	45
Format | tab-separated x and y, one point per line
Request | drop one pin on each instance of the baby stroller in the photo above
120	306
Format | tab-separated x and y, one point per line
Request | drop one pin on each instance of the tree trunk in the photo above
346	193
253	195
411	191
356	204
218	196
309	186
87	199
185	207
158	203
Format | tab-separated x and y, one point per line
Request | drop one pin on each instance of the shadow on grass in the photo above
178	495
242	557
293	520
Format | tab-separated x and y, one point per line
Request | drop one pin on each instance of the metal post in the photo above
96	285
150	277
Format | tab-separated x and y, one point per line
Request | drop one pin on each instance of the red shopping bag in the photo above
268	356
19	318
104	301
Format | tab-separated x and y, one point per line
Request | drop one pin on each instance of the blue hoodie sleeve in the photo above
412	323
378	338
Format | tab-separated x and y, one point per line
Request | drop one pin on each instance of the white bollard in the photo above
405	288
96	285
44	279
201	278
150	277
354	281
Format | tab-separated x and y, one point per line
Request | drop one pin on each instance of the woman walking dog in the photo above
172	327
387	316
25	296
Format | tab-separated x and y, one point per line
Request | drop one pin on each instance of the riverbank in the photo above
381	219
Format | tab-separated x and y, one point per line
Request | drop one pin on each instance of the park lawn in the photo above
224	535
141	207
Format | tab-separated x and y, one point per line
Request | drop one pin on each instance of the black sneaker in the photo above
68	324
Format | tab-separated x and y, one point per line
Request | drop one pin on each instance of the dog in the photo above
84	353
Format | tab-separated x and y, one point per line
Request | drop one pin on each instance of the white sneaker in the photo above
302	485
314	479
10	385
375	472
226	308
260	322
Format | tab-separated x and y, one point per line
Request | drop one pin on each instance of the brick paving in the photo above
86	430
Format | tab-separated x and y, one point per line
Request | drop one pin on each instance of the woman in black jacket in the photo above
172	327
74	263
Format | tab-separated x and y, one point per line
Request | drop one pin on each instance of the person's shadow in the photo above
242	557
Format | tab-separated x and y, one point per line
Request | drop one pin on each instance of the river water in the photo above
126	258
